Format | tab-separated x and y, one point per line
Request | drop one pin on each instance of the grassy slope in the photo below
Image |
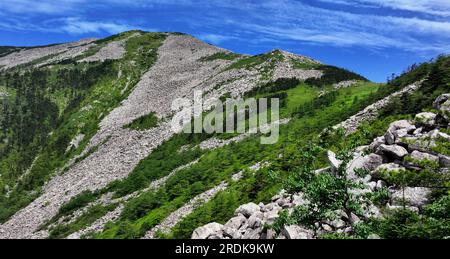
208	172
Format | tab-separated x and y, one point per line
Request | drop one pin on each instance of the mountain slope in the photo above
108	152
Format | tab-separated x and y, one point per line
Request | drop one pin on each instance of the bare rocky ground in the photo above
405	145
29	55
177	73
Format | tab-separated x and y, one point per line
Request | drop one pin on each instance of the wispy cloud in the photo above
41	6
219	21
215	38
434	7
76	25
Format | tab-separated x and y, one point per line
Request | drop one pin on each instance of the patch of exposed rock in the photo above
28	55
345	84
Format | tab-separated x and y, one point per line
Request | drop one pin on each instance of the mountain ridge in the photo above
90	167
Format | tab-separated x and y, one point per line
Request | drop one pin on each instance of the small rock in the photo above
337	223
327	228
380	184
372	186
298	200
420	156
354	219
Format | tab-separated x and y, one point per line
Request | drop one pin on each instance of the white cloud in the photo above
79	26
215	38
434	7
40	6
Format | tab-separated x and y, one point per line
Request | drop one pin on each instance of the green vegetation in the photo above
221	55
253	61
332	75
66	99
144	123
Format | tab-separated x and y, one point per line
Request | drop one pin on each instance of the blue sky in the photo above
372	37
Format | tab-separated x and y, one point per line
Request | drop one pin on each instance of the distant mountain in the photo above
87	148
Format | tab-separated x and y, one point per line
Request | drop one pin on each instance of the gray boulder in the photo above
370	163
207	230
247	209
414	196
297	232
392	150
376	143
426	118
444	161
255	220
334	162
391	167
236	222
421	156
442	103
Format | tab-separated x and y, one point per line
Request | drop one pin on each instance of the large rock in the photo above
256	220
401	124
376	143
414	196
236	222
207	230
392	150
247	209
421	156
297	232
334	162
442	103
426	118
444	161
370	163
436	134
397	130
